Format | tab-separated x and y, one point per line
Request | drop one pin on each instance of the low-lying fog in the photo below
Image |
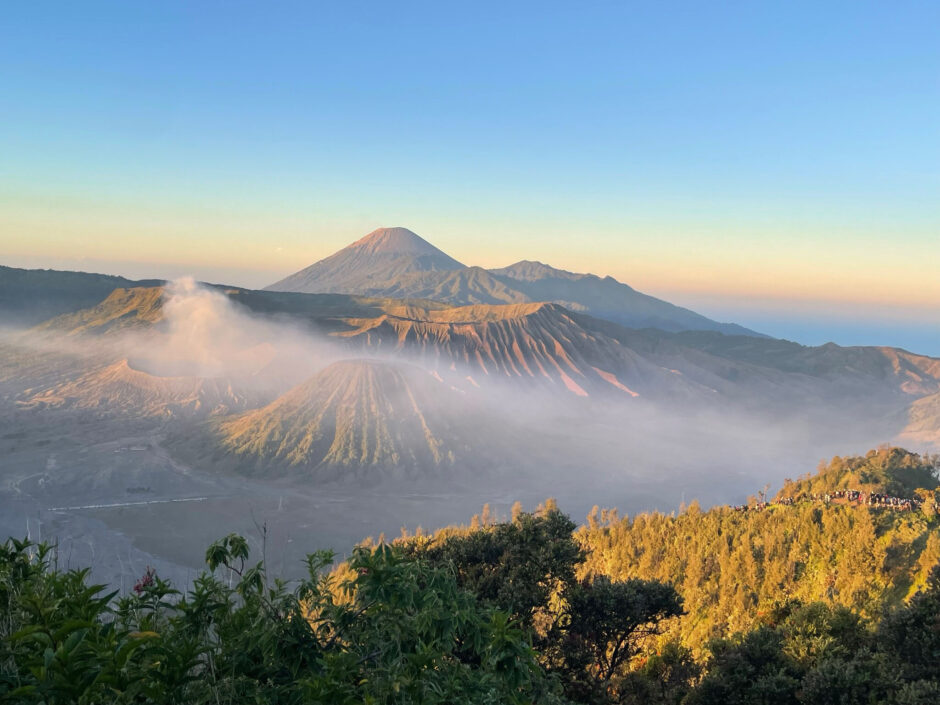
112	489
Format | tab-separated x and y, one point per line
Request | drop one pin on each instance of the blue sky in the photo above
770	161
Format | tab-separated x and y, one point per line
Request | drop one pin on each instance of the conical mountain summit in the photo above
376	261
401	241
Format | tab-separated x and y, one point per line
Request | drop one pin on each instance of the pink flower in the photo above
145	581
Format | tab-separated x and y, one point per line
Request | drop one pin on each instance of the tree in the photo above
516	566
910	635
749	669
665	677
604	625
586	631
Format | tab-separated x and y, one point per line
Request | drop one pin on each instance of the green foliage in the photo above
517	565
828	656
733	568
604	626
817	632
750	668
587	632
913	633
664	677
404	632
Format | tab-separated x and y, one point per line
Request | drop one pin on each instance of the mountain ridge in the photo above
396	262
605	297
30	296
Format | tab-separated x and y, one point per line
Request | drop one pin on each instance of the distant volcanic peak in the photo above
395	262
378	264
541	343
465	323
534	271
528	270
398	241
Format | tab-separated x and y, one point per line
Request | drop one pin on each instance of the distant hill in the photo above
30	296
923	421
471	285
891	471
535	344
122	309
734	568
398	263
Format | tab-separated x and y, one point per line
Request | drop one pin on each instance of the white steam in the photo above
205	334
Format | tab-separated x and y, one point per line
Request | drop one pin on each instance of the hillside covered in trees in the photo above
803	599
735	565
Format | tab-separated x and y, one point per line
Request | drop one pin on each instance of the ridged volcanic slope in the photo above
353	415
538	343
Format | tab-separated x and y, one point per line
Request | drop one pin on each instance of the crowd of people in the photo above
851	497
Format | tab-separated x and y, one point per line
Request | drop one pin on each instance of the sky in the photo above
773	164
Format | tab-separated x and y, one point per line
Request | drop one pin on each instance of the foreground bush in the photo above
400	631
